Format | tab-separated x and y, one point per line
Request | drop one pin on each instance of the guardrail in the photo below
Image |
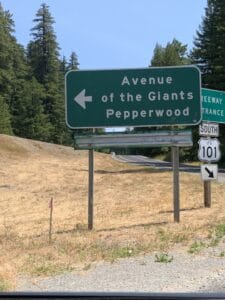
152	139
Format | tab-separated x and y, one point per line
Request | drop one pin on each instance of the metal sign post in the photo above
207	194
91	189
172	139
176	188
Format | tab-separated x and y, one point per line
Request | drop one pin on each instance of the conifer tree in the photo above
5	70
73	62
16	88
6	53
5	122
43	50
209	46
209	52
12	66
63	66
29	121
43	56
32	82
174	54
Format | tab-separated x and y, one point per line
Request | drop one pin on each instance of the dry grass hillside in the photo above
133	210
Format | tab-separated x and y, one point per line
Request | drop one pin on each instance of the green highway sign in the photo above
133	97
213	106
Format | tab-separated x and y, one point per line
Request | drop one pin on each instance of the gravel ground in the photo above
204	272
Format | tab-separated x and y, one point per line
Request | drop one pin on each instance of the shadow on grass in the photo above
130	171
126	171
145	225
84	227
182	209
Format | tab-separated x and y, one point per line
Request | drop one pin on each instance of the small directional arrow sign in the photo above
209	172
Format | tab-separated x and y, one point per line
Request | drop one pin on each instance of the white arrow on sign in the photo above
81	99
209	172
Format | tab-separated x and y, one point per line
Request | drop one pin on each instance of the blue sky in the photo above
112	33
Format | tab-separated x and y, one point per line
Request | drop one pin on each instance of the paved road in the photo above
155	163
162	165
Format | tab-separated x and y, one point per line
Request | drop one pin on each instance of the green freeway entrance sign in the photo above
213	106
133	97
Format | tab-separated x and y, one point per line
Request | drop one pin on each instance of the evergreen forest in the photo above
32	81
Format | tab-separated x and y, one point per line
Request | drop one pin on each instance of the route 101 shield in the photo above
209	150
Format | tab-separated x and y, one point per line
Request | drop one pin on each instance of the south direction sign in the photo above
133	97
213	106
209	129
